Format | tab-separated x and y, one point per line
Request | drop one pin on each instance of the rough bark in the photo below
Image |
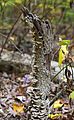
42	50
39	69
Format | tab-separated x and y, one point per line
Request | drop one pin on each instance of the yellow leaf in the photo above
62	53
12	38
54	116
60	57
64	49
57	104
18	107
18	1
71	95
40	5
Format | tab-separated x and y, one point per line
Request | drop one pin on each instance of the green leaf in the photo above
64	42
18	1
9	3
71	95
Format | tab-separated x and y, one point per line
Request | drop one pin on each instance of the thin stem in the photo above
59	72
10	33
56	97
12	43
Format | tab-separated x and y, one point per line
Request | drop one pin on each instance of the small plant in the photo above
63	52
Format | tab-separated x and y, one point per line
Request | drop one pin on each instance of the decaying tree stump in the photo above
42	51
41	59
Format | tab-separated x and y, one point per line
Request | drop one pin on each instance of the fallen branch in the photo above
56	97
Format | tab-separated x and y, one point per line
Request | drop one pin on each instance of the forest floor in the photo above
14	99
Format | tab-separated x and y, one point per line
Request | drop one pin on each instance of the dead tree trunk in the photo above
42	47
42	58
